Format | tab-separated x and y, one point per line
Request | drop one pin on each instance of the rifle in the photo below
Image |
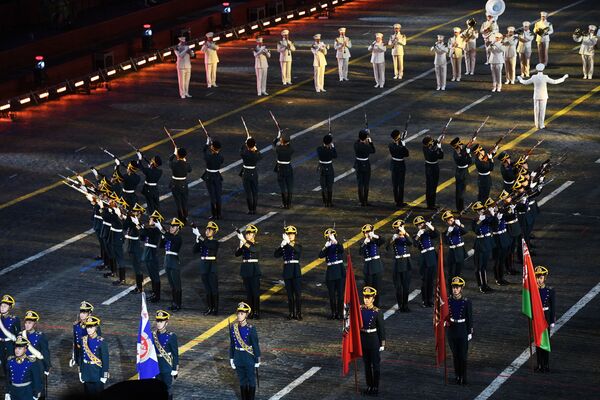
474	137
276	124
495	148
204	129
246	128
329	124
443	135
435	214
530	151
170	137
366	121
136	150
403	136
110	154
466	209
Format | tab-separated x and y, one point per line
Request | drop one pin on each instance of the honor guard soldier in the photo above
333	253
207	246
97	205
460	328
326	153
184	67
377	49
588	41
250	268
107	219
342	46
171	242
488	30
10	325
510	55
524	49
484	162
93	361
398	152
167	351
508	171
212	175
540	93
370	249
283	167
23	373
372	338
462	159
319	50
286	47
456	244
484	244
250	157
432	152
423	241
396	42
470	35
513	228
116	240
291	251
502	241
402	267
79	331
244	351
151	235
496	61
456	45
178	185
211	59
116	182
131	180
543	29
362	148
132	227
261	66
38	346
153	174
441	53
549	306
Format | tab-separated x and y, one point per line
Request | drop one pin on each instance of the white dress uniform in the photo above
285	47
470	35
211	59
342	46
540	93
543	40
496	62
319	50
587	50
261	66
397	42
184	67
456	44
510	55
524	49
377	49
439	62
488	30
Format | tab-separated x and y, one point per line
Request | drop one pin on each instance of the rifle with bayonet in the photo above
246	129
440	138
405	133
535	146
170	137
497	144
474	137
137	151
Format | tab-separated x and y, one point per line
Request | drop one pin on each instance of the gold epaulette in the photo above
10	358
31	358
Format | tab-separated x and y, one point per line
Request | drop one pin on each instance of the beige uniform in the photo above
524	50
540	95
184	69
456	44
378	60
510	57
488	31
261	67
211	59
342	46
441	52
397	42
319	51
470	36
587	51
543	41
285	47
496	61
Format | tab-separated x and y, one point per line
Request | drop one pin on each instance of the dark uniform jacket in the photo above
291	260
334	258
455	242
372	319
24	378
207	248
398	153
179	168
167	351
432	154
548	304
214	161
401	253
252	268
460	317
243	345
362	151
93	362
372	254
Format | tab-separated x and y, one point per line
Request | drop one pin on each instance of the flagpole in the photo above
355	377
530	349
445	364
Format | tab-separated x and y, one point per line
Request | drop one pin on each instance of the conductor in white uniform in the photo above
540	93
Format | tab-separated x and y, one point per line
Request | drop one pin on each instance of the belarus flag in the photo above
147	362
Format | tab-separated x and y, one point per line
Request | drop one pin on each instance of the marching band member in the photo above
441	51
488	31
510	55
588	41
377	49
543	29
211	59
285	47
456	44
319	50
496	61
524	49
470	35
261	66
397	42
342	46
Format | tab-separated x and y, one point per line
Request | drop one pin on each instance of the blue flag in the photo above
147	362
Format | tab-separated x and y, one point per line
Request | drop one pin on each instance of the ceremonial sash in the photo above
34	352
161	350
238	336
93	359
6	332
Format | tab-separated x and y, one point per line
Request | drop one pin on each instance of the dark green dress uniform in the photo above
244	350
249	176
463	160
547	296
502	241
432	154
250	273
79	332
172	245
398	152
97	227
207	249
212	177
12	324
292	277
167	352
151	236
131	180
24	378
373	266
460	326
484	245
107	217
284	170
335	278
402	269
456	250
179	185
153	173
427	264
134	249
362	165
484	179
93	364
39	341
326	154
514	230
372	336
116	240
508	176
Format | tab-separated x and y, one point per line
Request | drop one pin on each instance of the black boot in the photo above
139	282
298	309
155	292
324	195
329	199
215	304
219	216
251	392
257	308
173	300
209	305
121	280
243	392
289	200
291	309
283	200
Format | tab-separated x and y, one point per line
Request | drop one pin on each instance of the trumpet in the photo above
580	32
543	31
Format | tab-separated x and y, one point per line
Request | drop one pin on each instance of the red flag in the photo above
440	310
351	346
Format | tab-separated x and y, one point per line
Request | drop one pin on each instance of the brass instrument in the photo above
579	32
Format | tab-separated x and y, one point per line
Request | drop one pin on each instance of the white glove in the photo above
139	155
242	242
7	396
468	150
512	207
429	225
499	215
47	373
382	348
103	380
402	230
118	211
366	241
481	217
89	197
174	373
493	211
256	365
552	326
420	232
285	238
95	172
566	76
80	378
158	225
395	236
450	228
240	237
470	336
327	243
101	204
439	145
71	363
196	231
403	143
175	151
207	141
332	239
457	222
117	161
135	220
231	363
371	234
283	243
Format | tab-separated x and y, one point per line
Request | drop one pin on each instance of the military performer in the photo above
402	267
261	66
250	268
132	227
540	93
484	244
153	173
524	49
441	52
484	162
513	228
456	46
171	242
130	181
588	41
211	59
377	49
496	61
38	345
549	305
244	351
286	47
398	151
342	46
543	29
370	249
423	240
470	35
167	351
462	159
93	358
362	148
319	50
507	170
396	42
460	328
180	168
184	66
283	167
488	30
79	331
502	241
108	217
335	276
372	338
326	153
23	373
212	175
10	325
250	157
116	240
432	152
208	246
456	245
510	55
151	235
290	251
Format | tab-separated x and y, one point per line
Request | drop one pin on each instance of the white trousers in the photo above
588	65
440	75
261	80
211	74
183	77
511	68
543	52
539	112
343	68
470	59
319	78
286	71
398	66
496	75
379	73
525	59
456	67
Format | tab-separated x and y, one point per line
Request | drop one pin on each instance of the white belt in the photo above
458	320
325	162
208	258
150	183
335	262
457	245
500	232
283	162
397	159
545	308
240	349
171	253
372	258
179	178
431	162
426	250
98	216
116	230
153	246
462	166
513	221
362	159
509	183
213	170
531	202
249	166
5	340
132	237
21	384
291	262
106	223
403	256
369	330
128	191
482	236
250	260
484	173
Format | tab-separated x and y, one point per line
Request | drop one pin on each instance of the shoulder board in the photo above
100	338
10	358
31	358
250	326
375	308
362	307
